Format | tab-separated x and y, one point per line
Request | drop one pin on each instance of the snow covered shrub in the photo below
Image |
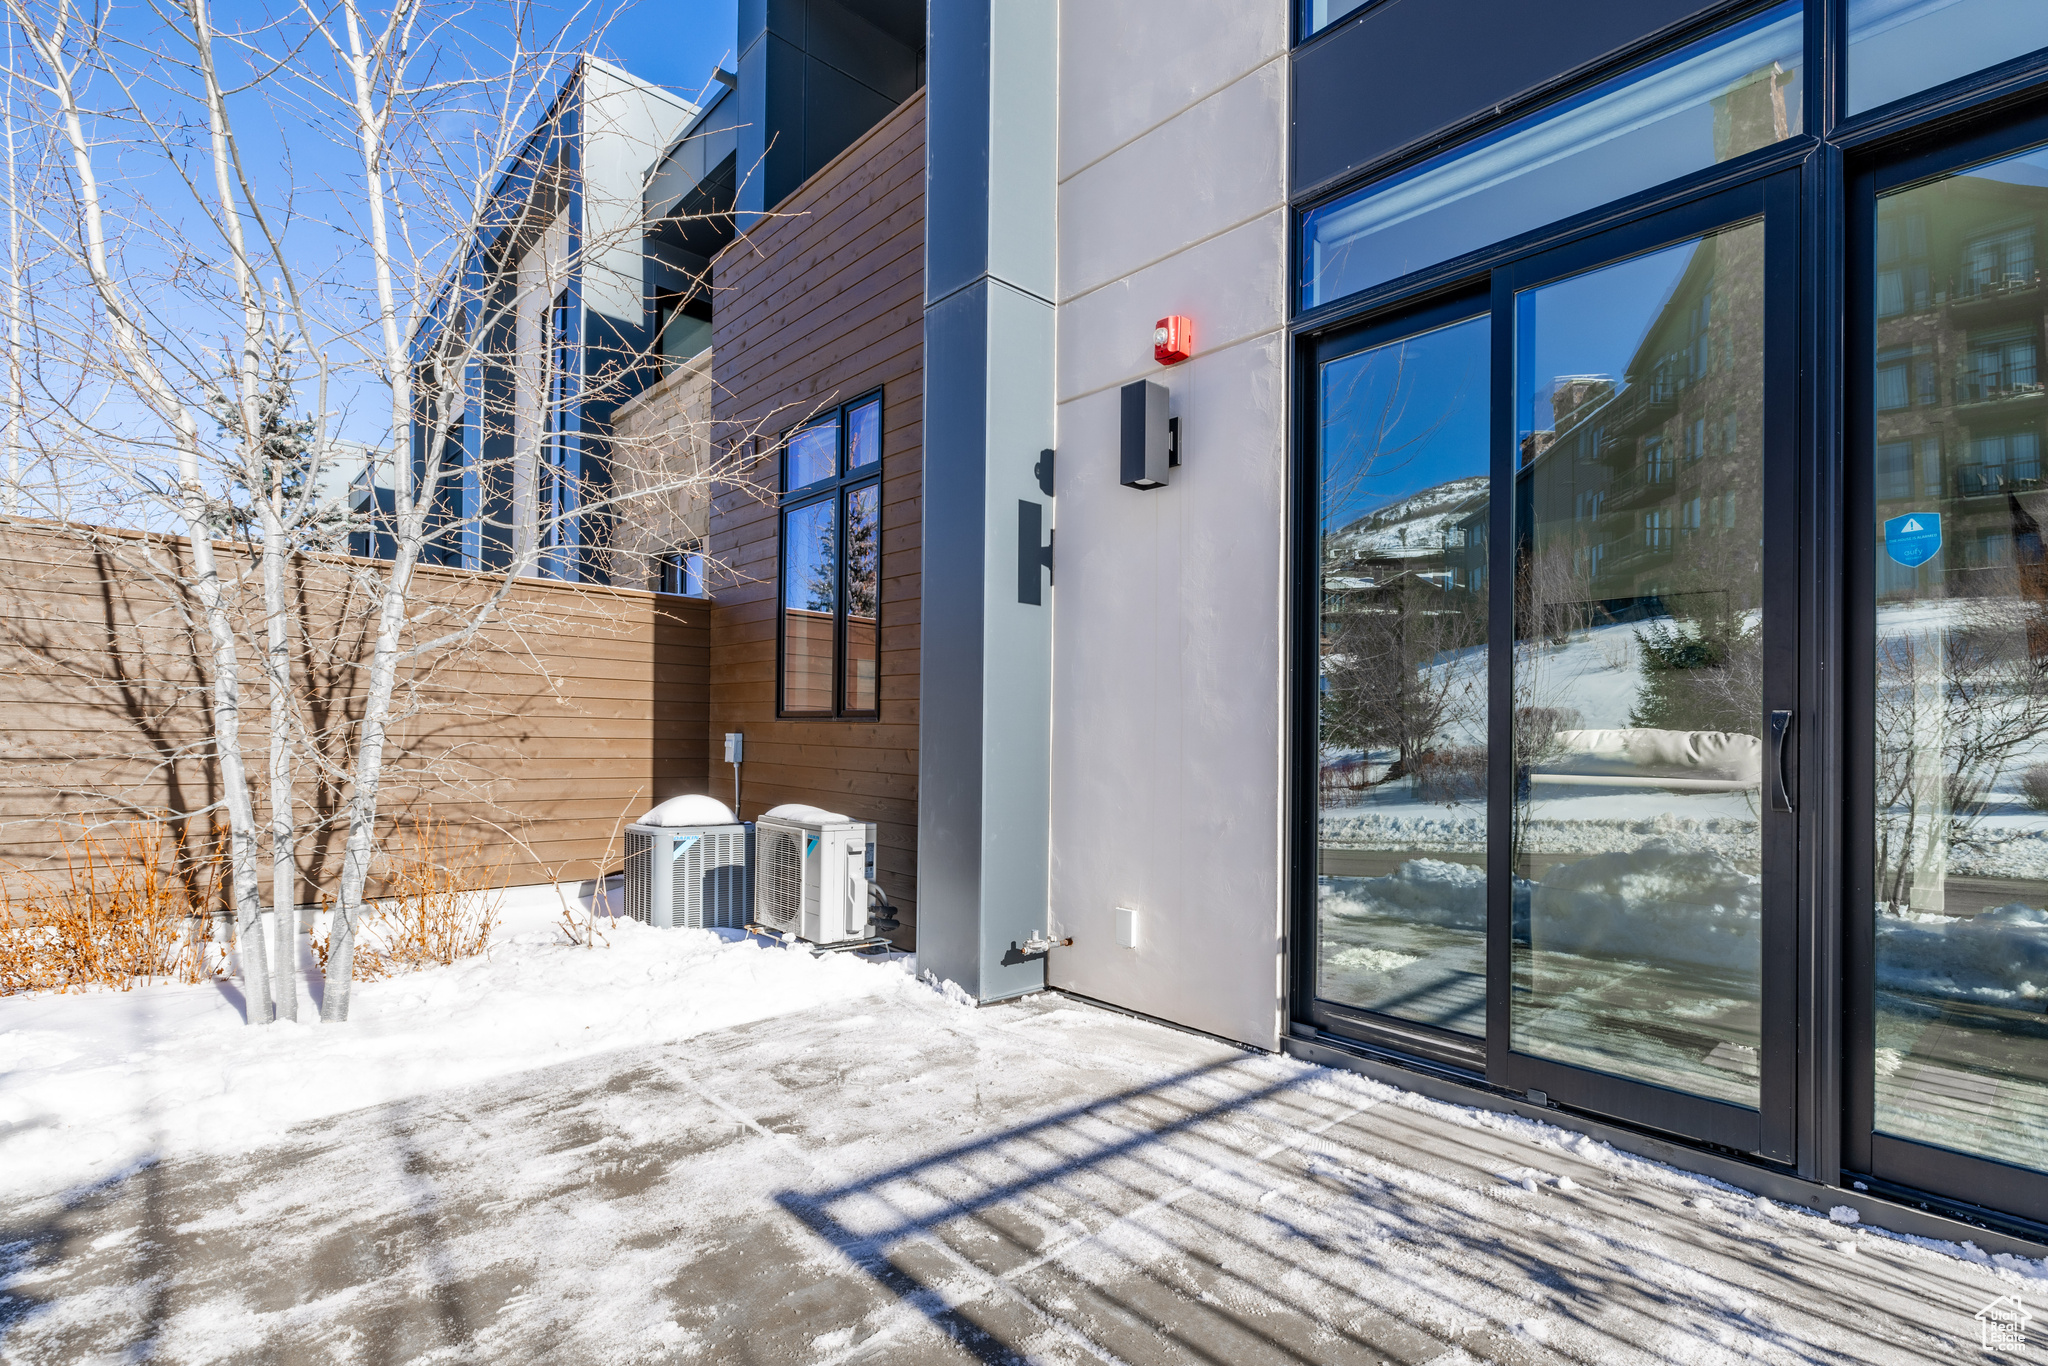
441	908
1343	776
1452	773
2034	786
118	916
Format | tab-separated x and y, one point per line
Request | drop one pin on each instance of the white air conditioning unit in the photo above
812	871
689	865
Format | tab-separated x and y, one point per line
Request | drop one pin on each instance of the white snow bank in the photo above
1645	752
1667	904
1997	957
808	815
91	1084
1998	849
1730	837
2012	851
692	809
1661	903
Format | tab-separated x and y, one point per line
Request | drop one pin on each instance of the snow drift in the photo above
1663	903
1675	906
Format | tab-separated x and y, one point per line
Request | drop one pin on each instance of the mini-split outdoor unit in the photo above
689	865
812	873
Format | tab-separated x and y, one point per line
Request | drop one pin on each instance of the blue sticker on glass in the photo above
1913	538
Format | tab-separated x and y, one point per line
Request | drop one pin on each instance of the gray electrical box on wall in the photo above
1151	439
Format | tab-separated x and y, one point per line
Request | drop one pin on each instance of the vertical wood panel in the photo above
822	302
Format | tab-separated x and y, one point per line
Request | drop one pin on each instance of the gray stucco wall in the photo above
1167	682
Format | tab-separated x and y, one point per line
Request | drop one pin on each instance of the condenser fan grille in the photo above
781	880
639	849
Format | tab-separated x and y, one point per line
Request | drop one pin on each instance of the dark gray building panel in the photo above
814	76
985	694
837	110
957	151
1406	69
859	49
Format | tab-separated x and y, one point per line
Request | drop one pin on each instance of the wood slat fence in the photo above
575	707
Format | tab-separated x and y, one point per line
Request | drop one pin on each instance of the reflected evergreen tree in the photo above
863	554
1700	676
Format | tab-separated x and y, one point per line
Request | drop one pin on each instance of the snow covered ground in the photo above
92	1084
685	1148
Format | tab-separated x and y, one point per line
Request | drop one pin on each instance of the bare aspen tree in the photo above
430	394
61	42
226	362
12	504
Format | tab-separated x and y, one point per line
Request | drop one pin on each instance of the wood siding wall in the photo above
577	706
823	302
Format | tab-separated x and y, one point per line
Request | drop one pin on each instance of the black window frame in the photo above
558	500
1837	161
1769	195
1978	1187
837	489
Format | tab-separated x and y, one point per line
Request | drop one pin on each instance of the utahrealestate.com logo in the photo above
2002	1324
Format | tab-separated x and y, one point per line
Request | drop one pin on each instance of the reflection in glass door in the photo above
1641	747
1960	690
1402	665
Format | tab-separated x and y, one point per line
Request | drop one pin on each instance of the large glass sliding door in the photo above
1553	831
1678	743
1649	723
1951	1066
1638	728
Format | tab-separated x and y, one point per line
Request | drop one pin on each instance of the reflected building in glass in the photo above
1638	668
1960	704
1403	679
1668	671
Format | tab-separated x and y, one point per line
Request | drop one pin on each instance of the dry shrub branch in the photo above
441	907
118	916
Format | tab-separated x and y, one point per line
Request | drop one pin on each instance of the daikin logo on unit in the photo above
1913	538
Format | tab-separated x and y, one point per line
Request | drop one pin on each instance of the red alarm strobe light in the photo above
1173	340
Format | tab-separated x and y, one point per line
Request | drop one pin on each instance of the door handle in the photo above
1781	727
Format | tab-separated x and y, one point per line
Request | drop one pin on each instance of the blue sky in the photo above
673	43
1404	417
1412	414
299	153
1593	324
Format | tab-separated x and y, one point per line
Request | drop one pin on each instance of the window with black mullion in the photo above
831	539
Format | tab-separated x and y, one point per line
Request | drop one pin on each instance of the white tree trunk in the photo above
227	742
14	393
367	779
284	864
